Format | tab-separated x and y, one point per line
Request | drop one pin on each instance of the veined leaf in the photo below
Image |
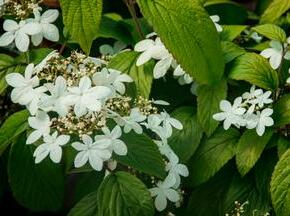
256	70
250	148
87	206
213	153
82	19
275	10
231	51
189	34
122	194
271	31
230	32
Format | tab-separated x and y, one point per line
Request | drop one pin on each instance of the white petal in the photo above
49	16
85	83
95	162
81	159
10	25
15	80
162	67
31	28
22	42
275	61
267	53
120	148
33	137
175	123
62	140
160	202
37	39
55	154
6	39
79	146
40	153
144	45
50	32
172	195
182	170
143	58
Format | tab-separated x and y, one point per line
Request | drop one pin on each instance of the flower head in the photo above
264	120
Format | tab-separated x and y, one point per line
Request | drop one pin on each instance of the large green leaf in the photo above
256	70
230	32
271	31
39	187
143	155
122	194
250	148
189	34
82	19
87	206
212	155
231	51
281	114
142	76
275	10
280	186
184	142
208	101
12	127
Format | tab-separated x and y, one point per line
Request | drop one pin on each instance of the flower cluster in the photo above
34	29
247	111
276	53
78	100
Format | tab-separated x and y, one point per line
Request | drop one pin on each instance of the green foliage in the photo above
39	187
142	76
250	148
208	101
231	32
206	62
212	155
124	194
271	31
274	11
281	114
12	128
185	142
82	19
142	153
256	70
87	206
280	185
231	51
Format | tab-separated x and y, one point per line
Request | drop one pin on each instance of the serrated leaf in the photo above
255	69
143	155
271	31
12	128
281	113
82	20
87	206
250	148
189	34
231	51
280	186
208	100
184	142
142	76
275	10
122	194
230	32
39	187
213	153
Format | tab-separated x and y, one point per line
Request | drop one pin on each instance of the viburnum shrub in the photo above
147	107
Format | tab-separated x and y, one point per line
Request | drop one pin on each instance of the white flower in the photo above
150	50
41	123
162	66
216	19
232	114
262	99
52	147
24	91
275	54
176	169
112	78
253	93
164	191
153	124
264	120
87	98
95	152
164	148
107	49
132	121
18	32
57	101
48	30
116	145
169	122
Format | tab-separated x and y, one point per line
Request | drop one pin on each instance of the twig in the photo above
62	48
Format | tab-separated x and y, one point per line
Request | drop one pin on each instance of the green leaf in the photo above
281	114
12	128
189	34
39	187
87	206
143	155
82	19
208	101
250	148
283	144
231	51
184	142
213	153
230	32
271	31
142	76
280	186
275	10
255	69
122	194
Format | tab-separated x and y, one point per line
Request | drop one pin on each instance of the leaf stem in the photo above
27	58
131	7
